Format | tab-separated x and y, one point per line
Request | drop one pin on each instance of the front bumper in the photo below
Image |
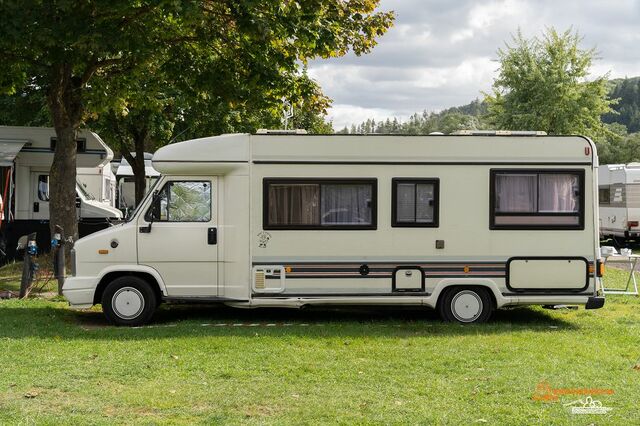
79	291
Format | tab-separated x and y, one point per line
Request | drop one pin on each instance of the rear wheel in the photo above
129	301
465	305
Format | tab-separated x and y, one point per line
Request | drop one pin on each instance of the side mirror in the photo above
154	212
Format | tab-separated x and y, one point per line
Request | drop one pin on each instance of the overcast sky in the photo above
441	53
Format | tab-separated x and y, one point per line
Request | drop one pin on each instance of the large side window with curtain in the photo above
319	203
414	202
537	199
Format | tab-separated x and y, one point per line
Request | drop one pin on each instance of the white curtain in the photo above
516	193
414	202
424	200
346	204
406	202
558	193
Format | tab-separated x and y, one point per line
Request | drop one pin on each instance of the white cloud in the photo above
440	53
345	115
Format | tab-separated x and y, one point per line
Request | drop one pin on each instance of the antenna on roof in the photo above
287	112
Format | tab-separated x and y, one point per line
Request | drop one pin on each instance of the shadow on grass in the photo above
43	319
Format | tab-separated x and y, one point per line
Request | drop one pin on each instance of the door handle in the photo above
212	236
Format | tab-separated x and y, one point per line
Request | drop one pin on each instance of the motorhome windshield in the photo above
135	211
84	192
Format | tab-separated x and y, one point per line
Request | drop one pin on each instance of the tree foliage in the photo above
81	57
544	84
627	110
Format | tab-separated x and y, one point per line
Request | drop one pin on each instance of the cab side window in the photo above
183	201
43	187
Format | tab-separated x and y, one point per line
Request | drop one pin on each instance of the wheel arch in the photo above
150	275
445	285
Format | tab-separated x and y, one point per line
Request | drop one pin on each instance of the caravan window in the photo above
43	187
415	202
604	193
182	201
319	204
541	199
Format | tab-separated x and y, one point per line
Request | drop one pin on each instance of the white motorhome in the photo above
126	192
619	190
99	182
464	224
26	155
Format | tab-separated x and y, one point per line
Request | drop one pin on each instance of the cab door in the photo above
178	236
39	196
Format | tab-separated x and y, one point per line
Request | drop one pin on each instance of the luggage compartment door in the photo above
408	278
547	273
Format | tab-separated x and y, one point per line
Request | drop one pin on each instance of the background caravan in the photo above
619	187
26	155
463	223
126	188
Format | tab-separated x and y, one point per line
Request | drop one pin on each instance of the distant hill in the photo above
470	116
628	107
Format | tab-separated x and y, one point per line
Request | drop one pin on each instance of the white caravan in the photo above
464	224
619	188
99	182
126	183
26	155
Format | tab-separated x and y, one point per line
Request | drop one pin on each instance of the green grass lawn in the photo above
205	364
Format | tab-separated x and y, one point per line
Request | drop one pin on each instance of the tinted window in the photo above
43	187
415	202
182	201
537	199
318	204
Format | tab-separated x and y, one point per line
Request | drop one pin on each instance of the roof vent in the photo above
281	132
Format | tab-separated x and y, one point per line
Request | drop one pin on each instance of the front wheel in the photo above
465	305
129	301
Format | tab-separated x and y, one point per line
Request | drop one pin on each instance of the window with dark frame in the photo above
310	203
43	187
537	199
604	194
182	201
415	202
81	144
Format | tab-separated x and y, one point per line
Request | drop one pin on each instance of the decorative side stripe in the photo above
317	270
297	270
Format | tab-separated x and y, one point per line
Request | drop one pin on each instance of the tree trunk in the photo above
139	172
66	110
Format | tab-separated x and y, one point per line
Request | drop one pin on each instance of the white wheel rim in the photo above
127	303
466	306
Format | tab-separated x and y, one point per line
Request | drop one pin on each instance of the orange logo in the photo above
544	392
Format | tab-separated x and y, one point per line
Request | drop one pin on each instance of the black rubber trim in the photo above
546	293
547	290
595	302
202	299
412	290
423	163
323	295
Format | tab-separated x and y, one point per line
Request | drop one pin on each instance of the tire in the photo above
129	301
465	305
